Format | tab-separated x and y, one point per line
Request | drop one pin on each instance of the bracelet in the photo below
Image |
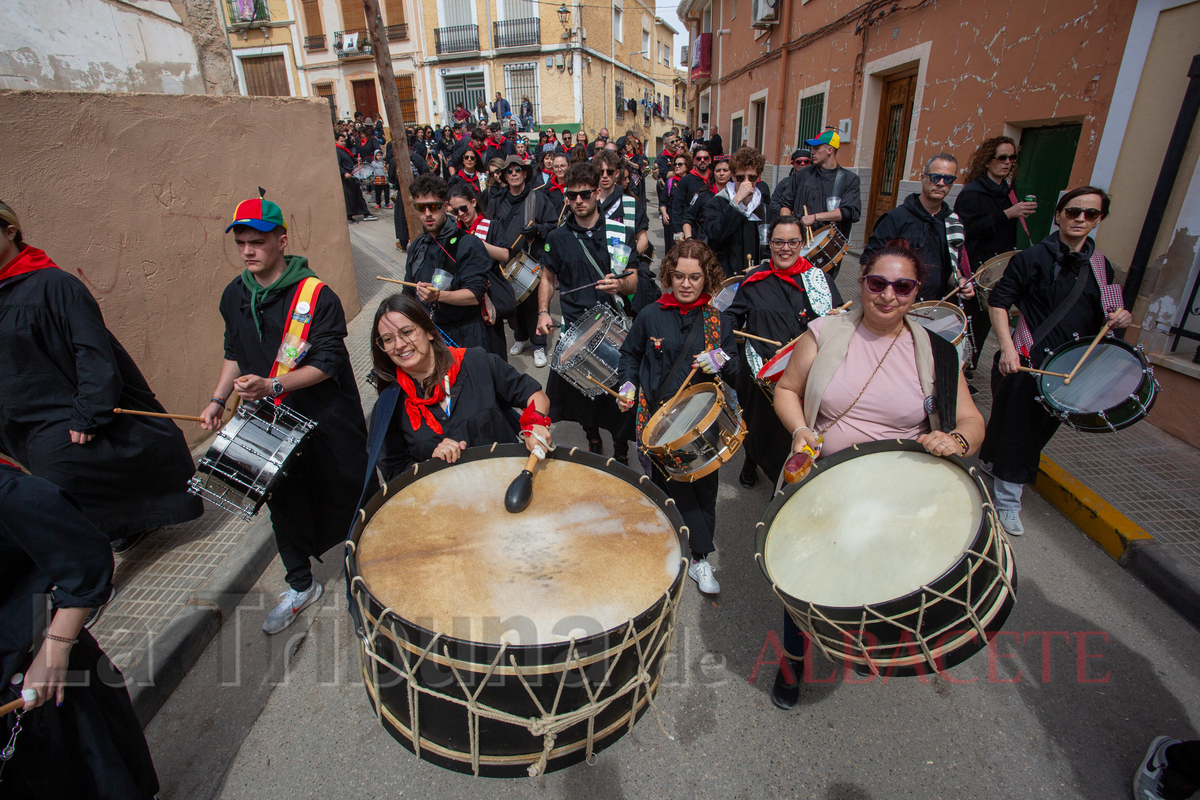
63	639
547	313
962	441
218	400
801	428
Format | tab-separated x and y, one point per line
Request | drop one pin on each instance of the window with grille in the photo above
619	87
408	97
812	114
520	80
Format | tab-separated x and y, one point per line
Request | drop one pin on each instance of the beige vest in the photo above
831	351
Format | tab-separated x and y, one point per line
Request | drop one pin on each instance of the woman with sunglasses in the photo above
681	165
655	359
435	401
695	183
469	172
1039	282
866	376
776	301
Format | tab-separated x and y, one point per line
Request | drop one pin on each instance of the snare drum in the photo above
363	172
906	579
695	433
773	370
987	276
827	248
1113	389
591	348
249	456
524	274
946	320
456	600
723	299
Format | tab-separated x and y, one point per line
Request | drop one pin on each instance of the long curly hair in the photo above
985	153
692	248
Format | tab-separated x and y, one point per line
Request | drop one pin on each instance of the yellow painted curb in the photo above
1095	516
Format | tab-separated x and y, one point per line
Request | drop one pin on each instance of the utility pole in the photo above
391	104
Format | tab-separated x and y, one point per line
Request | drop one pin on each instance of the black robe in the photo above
351	190
312	506
694	214
508	215
731	234
812	186
485	388
651	349
926	234
61	370
981	205
1036	281
687	189
92	745
467	260
774	309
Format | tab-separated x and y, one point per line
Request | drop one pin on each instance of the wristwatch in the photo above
276	387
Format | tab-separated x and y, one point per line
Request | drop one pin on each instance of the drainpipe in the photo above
1166	183
785	27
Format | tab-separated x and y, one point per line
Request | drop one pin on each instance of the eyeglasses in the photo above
703	158
681	163
1005	158
696	277
1090	214
606	171
468	158
802	162
421	208
785	244
515	171
877	284
586	194
937	178
458	211
389	340
740	178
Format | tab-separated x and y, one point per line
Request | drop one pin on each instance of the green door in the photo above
1043	170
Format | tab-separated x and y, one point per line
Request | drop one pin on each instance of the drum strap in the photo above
295	335
1110	298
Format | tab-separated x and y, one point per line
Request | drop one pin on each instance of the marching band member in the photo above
463	207
732	218
435	401
776	301
870	375
277	300
679	331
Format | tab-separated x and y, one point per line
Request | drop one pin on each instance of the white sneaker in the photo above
539	357
1010	520
517	348
702	573
1147	781
293	603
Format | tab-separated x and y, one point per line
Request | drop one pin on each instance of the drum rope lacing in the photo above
551	722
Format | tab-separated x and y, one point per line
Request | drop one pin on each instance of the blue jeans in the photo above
1008	495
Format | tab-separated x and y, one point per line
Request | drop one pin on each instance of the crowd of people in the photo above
485	194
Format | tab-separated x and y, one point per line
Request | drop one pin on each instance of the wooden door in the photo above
266	76
1044	170
365	99
891	146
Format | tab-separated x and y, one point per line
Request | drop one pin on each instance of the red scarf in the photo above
801	266
30	260
478	219
555	186
499	142
480	150
344	149
670	301
417	408
701	177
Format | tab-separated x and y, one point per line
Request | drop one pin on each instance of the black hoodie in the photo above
926	234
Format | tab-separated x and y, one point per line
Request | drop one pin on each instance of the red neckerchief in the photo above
480	150
417	408
801	266
698	175
30	260
498	143
717	189
362	141
670	301
478	219
344	149
555	186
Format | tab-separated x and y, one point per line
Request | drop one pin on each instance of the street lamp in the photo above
564	16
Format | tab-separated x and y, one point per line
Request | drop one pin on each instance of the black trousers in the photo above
1019	428
384	191
1181	778
524	322
91	746
697	504
401	222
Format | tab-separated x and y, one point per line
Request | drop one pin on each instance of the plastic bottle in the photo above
797	467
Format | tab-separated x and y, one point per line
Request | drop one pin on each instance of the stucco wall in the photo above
134	191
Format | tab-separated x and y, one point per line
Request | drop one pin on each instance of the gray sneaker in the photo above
293	603
1147	781
1010	520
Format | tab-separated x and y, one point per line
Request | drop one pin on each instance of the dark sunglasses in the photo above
681	163
515	171
586	194
1074	212
877	284
802	162
740	178
468	158
605	171
1005	158
421	208
458	211
703	158
937	177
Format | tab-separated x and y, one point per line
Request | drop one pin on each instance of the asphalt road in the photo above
1090	667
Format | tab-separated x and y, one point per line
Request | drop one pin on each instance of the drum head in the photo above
993	269
773	369
681	418
872	528
589	553
944	319
1108	378
819	239
724	298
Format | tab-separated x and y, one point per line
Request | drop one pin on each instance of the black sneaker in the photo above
126	543
749	475
596	445
783	694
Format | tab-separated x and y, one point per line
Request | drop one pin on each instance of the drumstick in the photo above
520	491
844	305
393	280
1088	352
957	290
749	262
683	386
807	231
15	705
183	417
605	388
579	288
745	335
233	407
1043	372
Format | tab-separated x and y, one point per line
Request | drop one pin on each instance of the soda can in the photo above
1031	198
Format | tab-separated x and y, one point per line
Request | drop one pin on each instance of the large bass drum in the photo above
907	577
499	644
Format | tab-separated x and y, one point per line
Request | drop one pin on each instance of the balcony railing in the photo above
348	46
456	39
246	11
518	32
397	33
314	42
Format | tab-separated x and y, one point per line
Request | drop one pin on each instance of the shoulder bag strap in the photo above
676	370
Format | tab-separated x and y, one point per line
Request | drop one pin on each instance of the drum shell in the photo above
600	357
1136	406
829	252
895	651
507	750
720	436
524	273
